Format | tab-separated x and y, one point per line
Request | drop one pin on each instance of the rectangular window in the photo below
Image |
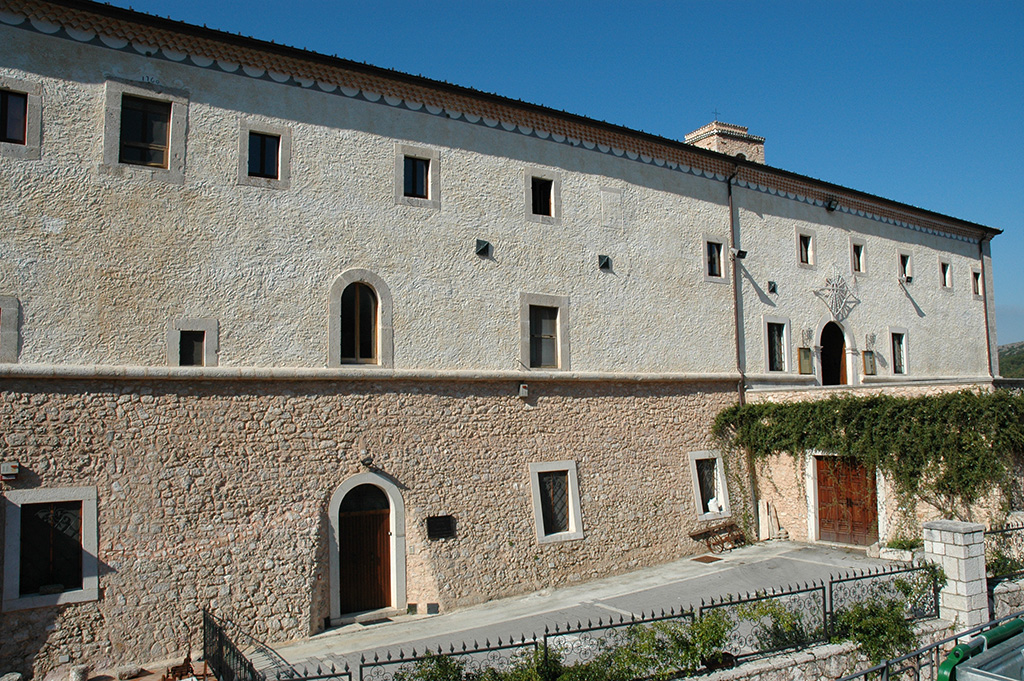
805	250
904	271
145	131
541	192
899	353
13	117
945	275
264	152
805	360
857	258
976	283
556	501
417	177
710	492
870	368
543	336
714	259
191	348
51	548
776	347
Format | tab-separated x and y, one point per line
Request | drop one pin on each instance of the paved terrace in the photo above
681	583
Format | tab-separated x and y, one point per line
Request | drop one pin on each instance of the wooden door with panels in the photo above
364	548
847	504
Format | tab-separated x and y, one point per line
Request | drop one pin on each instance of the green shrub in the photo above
905	543
879	628
775	626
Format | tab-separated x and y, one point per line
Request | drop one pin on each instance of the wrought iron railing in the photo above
760	623
923	663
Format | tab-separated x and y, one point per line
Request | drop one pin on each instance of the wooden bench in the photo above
720	537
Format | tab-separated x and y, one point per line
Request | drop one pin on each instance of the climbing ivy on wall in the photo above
949	450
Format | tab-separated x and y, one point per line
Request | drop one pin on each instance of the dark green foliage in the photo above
949	450
879	628
776	626
434	668
905	544
1011	360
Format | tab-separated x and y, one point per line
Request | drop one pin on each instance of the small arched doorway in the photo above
833	355
364	548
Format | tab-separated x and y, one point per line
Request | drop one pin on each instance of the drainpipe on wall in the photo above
984	301
736	289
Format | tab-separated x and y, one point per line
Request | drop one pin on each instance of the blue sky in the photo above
921	102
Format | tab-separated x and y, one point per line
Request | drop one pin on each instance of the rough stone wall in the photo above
215	494
1006	599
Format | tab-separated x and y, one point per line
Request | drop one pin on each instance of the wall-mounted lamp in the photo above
604	262
738	253
773	287
907	279
831	205
367	462
483	248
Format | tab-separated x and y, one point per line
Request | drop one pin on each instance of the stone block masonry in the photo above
215	494
960	549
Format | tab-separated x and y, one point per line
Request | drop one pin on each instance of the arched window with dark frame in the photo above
359	324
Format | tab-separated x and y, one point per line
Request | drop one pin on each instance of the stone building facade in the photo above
273	324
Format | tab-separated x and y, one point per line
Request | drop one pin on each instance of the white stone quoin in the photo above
960	549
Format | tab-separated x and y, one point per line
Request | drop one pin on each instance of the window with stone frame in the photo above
541	193
899	352
556	501
543	337
264	155
713	259
710	491
776	335
416	182
50	547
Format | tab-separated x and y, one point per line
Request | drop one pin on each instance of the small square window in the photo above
776	337
264	153
417	177
191	346
13	117
870	368
541	193
805	360
713	258
145	131
899	353
543	337
441	527
193	342
710	491
857	262
556	501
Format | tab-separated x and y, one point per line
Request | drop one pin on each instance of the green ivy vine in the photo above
949	450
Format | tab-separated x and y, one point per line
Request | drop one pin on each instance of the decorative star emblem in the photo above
837	295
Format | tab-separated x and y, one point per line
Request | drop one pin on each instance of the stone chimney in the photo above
729	139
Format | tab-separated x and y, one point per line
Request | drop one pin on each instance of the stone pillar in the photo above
960	549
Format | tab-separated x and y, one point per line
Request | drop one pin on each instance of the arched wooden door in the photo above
364	547
847	505
833	355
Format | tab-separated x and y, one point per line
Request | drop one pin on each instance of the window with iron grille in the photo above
145	131
51	548
441	527
556	501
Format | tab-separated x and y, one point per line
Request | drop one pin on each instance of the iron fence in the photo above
758	624
923	663
1004	553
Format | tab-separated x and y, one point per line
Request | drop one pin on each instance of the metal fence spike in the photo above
499	641
401	654
362	659
579	625
389	655
545	628
319	672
